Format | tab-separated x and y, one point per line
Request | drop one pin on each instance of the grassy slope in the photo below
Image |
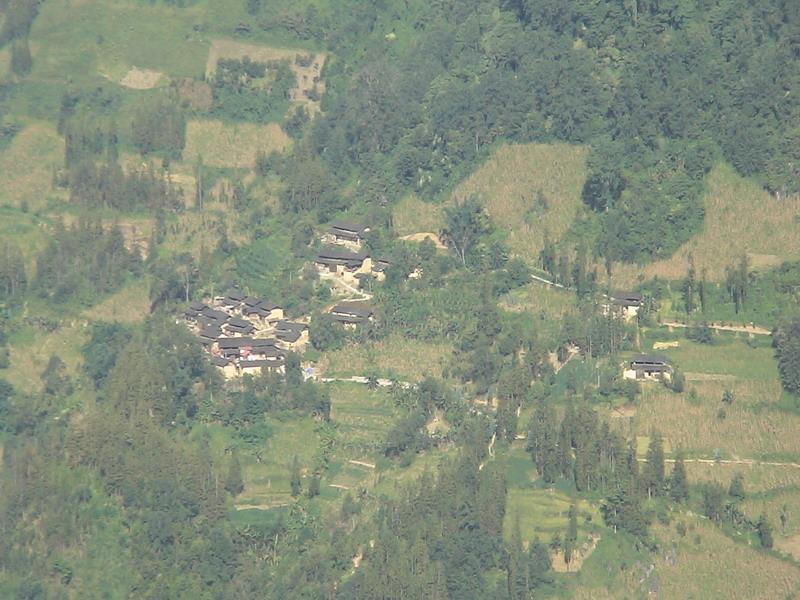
740	217
507	185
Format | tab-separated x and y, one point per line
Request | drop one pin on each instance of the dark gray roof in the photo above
348	227
627	298
196	306
251	301
216	315
239	342
272	364
352	309
235	295
340	254
240	324
218	361
649	359
285	325
289	336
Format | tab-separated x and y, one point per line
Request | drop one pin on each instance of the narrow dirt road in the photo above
755	329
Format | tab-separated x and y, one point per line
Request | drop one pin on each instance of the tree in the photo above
465	224
713	505
21	60
764	531
653	473
295	480
689	288
736	488
678	485
623	512
233	481
571	537
787	348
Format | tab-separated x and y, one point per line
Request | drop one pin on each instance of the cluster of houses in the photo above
246	334
249	335
343	255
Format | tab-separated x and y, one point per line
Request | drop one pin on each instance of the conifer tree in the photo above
233	481
571	537
295	481
678	486
653	474
736	488
764	530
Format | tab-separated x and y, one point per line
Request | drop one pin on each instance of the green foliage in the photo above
764	531
465	224
82	262
159	127
678	484
21	59
251	91
100	352
787	349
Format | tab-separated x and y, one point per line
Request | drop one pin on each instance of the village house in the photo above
292	336
648	367
193	311
238	327
344	233
232	298
245	347
628	303
351	314
344	263
261	312
256	367
209	334
227	367
379	266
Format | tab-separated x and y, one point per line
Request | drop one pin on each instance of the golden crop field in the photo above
741	217
530	191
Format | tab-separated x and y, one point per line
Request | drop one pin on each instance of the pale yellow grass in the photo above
308	77
141	79
27	165
743	433
718	567
507	185
131	304
740	218
412	215
789	545
409	360
222	145
771	507
757	478
5	61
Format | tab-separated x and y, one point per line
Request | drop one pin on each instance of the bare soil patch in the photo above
662	345
421	237
579	556
141	79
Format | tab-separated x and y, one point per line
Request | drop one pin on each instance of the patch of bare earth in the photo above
422	236
141	79
578	557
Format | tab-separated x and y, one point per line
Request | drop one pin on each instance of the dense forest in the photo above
127	454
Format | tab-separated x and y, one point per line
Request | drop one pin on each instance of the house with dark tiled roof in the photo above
291	335
352	314
346	233
648	367
627	303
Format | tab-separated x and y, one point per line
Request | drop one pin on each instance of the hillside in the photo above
433	300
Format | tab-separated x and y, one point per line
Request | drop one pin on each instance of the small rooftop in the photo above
352	309
649	359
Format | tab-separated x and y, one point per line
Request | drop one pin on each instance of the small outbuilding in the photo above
648	366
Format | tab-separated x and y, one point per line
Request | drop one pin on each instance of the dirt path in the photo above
755	329
738	461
